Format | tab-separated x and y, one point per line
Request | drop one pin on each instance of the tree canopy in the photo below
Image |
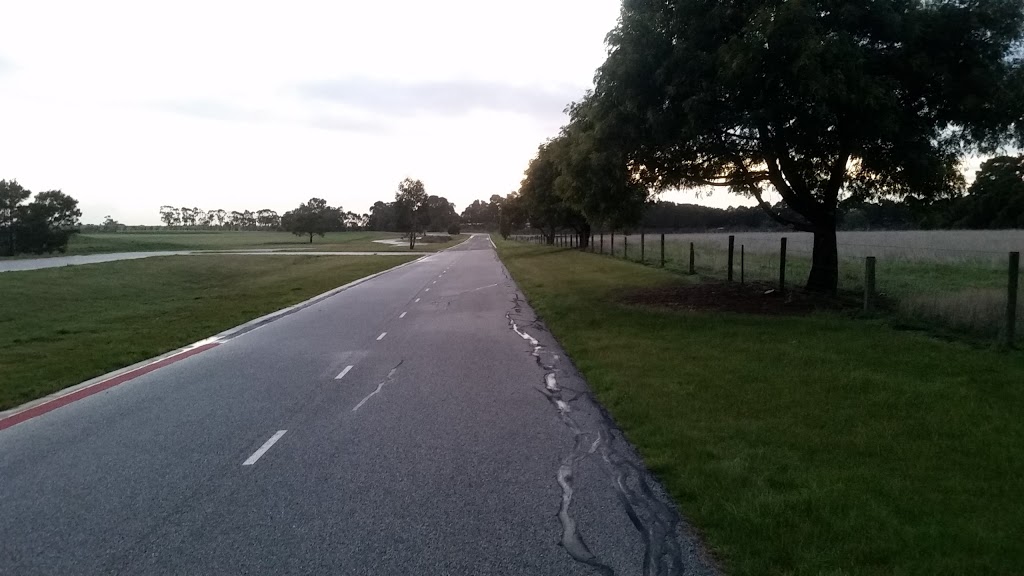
996	198
45	224
817	100
313	217
411	208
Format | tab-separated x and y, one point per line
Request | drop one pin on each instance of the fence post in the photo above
692	269
642	247
1011	299
743	266
611	246
602	242
662	250
782	266
732	246
625	247
869	284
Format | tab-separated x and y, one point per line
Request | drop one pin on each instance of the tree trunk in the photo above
824	277
584	237
412	240
310	237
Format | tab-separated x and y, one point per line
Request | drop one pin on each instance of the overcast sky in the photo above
247	105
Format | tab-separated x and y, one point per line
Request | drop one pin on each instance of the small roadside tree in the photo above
411	211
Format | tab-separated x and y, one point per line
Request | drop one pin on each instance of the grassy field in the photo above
800	445
61	326
952	278
96	243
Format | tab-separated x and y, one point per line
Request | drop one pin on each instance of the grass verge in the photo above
800	445
148	241
61	326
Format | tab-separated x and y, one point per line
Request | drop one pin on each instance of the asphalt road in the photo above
422	422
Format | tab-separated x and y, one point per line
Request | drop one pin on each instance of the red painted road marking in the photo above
99	387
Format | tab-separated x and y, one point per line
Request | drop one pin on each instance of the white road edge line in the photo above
343	372
403	315
381	337
417	300
263	449
427	290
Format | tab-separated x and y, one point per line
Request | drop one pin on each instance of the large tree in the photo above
815	99
593	172
411	214
12	195
313	217
43	225
47	223
440	213
382	217
996	198
170	216
540	202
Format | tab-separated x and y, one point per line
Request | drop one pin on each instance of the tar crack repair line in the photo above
648	508
380	387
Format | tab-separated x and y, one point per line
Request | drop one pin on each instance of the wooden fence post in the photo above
743	266
732	246
692	269
869	284
782	266
662	250
1011	299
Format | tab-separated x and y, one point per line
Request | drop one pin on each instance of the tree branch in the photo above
802	226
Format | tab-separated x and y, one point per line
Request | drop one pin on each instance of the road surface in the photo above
422	422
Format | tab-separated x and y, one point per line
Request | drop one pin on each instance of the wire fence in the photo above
962	280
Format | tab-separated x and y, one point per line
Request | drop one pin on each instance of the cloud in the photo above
446	98
347	124
213	110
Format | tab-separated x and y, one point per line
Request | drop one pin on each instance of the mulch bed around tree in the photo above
749	298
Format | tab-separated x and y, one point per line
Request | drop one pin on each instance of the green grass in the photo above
963	291
800	445
61	326
95	243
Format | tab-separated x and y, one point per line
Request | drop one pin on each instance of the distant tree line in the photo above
41	226
265	219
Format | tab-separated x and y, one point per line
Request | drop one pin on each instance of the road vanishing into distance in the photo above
421	422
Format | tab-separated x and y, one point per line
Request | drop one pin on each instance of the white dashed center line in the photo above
427	290
417	300
403	315
263	449
381	337
343	372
